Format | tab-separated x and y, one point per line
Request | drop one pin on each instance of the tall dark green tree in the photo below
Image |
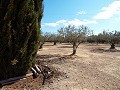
19	35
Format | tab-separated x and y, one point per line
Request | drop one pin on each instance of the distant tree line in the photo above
77	35
111	38
68	34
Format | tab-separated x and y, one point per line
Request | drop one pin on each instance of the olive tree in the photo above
51	37
74	35
109	37
92	39
19	35
113	38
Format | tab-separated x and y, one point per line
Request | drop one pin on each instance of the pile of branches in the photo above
44	70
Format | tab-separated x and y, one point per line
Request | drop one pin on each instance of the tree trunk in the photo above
97	43
41	45
55	42
19	35
112	46
74	49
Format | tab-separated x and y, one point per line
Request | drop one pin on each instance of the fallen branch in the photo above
44	70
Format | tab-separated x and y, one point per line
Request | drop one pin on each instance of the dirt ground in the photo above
93	67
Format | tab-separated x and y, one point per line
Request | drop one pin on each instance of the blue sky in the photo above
98	15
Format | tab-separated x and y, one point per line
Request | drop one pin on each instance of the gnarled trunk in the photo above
41	45
55	42
74	49
112	46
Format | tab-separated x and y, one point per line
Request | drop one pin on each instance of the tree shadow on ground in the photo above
48	45
47	56
53	59
65	47
66	43
93	44
101	50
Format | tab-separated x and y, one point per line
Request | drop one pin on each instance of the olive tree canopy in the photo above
74	35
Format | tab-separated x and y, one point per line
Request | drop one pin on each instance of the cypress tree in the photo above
19	35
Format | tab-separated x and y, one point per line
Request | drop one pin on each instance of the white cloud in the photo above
81	13
110	11
42	25
75	22
55	23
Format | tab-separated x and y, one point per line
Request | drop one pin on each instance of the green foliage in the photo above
50	37
109	37
19	35
72	34
92	39
47	37
106	37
